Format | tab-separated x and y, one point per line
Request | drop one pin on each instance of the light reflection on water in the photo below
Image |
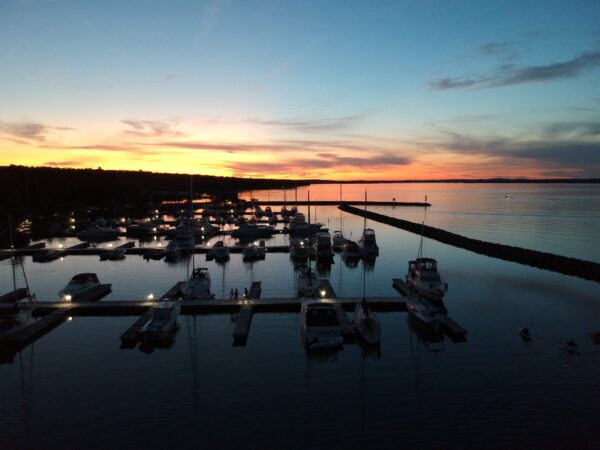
74	388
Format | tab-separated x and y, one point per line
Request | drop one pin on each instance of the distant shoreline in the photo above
478	181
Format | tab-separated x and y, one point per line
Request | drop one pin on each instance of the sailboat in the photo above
338	239
423	275
367	243
197	286
366	323
308	283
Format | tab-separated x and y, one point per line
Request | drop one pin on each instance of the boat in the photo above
219	252
299	248
253	231
203	227
338	241
184	238
367	324
570	346
424	278
322	245
163	322
320	326
80	283
308	283
351	251
298	225
147	228
97	232
261	249
172	251
368	244
198	286
117	254
423	312
250	252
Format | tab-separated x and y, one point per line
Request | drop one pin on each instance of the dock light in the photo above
159	244
323	293
151	296
122	219
72	227
156	211
154	229
202	228
62	258
69	318
72	220
60	246
68	297
110	245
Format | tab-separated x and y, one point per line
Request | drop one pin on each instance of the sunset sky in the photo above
418	89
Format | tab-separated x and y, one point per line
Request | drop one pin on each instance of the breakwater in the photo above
542	260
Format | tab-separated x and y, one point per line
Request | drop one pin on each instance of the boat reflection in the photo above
167	343
432	340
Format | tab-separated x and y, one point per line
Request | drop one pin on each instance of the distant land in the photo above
42	190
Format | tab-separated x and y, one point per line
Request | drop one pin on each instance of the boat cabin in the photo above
84	278
200	273
425	269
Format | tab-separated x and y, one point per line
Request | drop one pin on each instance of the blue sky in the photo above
311	89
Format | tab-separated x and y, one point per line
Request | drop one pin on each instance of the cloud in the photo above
63	163
168	78
150	127
32	131
506	50
508	75
211	13
313	125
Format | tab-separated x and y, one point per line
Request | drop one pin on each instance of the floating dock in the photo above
20	337
13	296
244	317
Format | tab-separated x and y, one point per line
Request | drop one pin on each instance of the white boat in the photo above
320	326
424	278
219	252
423	312
250	252
261	249
299	248
172	251
338	241
308	283
351	251
198	286
252	231
79	284
367	324
368	244
163	322
98	232
322	245
184	238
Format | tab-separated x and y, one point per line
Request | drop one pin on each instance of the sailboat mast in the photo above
12	256
365	221
341	216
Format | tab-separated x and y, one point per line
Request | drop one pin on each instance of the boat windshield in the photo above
321	317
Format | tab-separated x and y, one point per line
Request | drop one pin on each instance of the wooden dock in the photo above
23	336
13	296
255	290
242	325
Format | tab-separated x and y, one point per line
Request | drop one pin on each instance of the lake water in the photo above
74	388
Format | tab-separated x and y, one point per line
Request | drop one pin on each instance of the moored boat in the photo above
79	284
423	276
320	326
367	324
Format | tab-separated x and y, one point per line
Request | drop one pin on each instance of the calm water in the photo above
74	388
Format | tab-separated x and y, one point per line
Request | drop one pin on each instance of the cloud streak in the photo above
507	75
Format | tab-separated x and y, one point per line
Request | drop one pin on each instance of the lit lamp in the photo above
323	293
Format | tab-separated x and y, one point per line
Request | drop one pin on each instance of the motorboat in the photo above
163	322
198	286
184	238
249	230
338	241
97	232
423	276
298	225
322	245
250	252
117	254
299	248
272	220
368	244
204	228
308	283
320	326
80	283
219	252
143	228
367	324
261	249
172	251
351	251
421	310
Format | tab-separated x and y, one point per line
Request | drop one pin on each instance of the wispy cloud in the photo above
151	127
506	50
507	75
314	125
211	14
72	163
32	131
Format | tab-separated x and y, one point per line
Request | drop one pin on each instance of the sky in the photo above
341	90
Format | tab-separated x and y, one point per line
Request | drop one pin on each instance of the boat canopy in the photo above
84	278
321	315
423	264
